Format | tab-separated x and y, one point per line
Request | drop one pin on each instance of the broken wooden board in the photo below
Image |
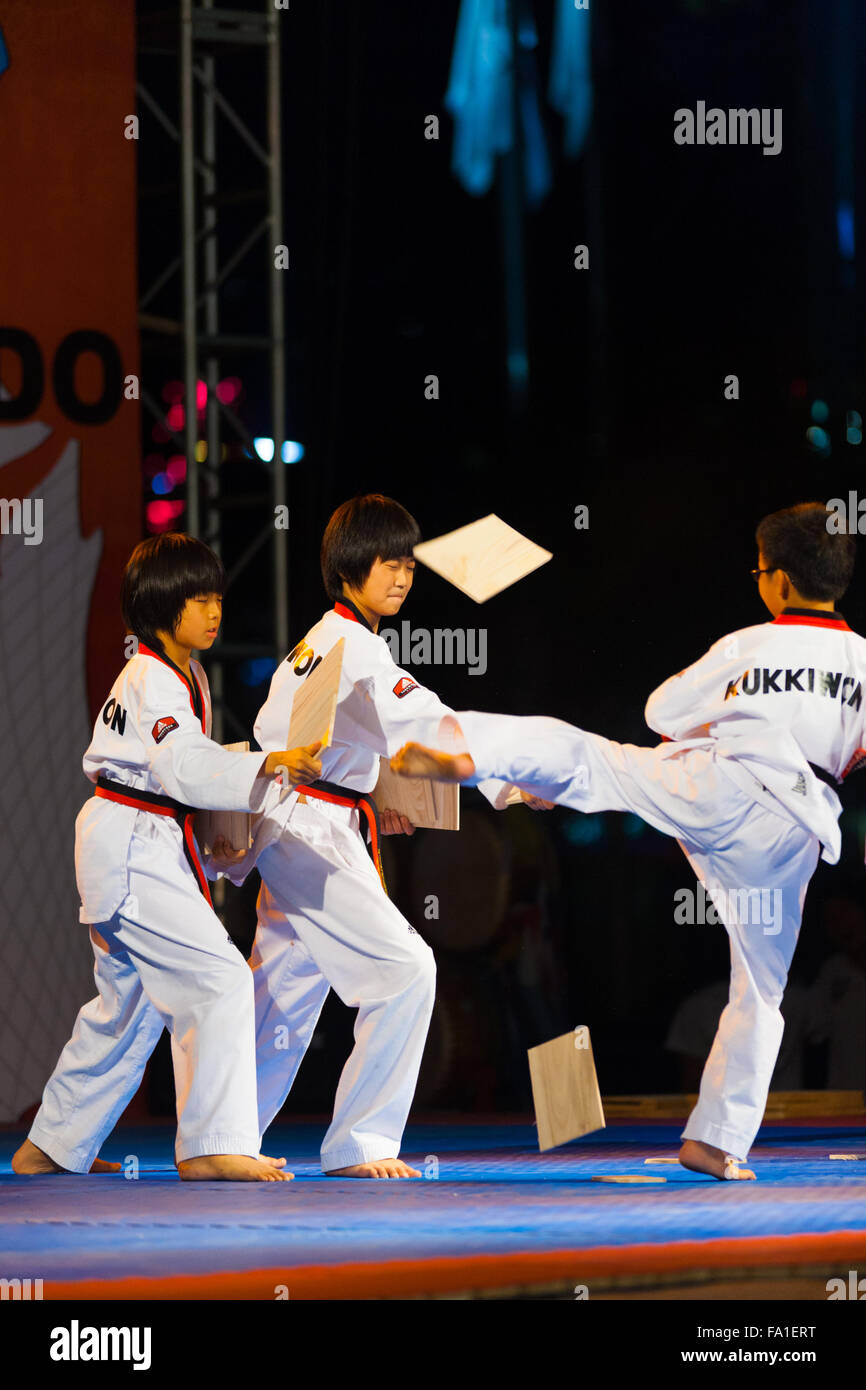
565	1089
483	558
626	1177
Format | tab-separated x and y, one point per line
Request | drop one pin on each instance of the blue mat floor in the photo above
489	1192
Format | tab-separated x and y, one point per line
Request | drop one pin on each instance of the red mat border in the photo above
450	1274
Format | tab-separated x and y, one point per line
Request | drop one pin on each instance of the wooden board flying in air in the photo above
565	1089
483	558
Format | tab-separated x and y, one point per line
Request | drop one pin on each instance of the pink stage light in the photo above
160	515
228	390
176	468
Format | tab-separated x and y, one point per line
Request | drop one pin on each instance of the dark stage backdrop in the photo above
703	262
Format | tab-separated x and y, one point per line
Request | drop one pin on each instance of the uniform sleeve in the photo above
686	703
391	709
187	764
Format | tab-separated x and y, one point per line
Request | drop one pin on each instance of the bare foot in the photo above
274	1162
380	1168
99	1165
230	1168
29	1159
704	1158
414	760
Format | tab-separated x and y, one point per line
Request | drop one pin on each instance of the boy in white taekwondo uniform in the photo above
763	727
324	917
162	957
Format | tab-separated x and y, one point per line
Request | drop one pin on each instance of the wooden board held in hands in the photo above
234	825
483	558
315	704
429	805
565	1089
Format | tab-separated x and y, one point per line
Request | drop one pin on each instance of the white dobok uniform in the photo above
162	956
760	727
324	918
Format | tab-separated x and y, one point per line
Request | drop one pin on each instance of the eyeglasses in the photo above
756	574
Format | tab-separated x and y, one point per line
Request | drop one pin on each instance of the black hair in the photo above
818	562
160	575
360	532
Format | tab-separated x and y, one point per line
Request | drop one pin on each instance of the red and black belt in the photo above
359	801
161	806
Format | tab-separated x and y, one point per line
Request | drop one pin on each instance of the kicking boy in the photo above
324	918
162	957
762	727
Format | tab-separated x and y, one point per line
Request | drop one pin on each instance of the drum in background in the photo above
458	884
463	1065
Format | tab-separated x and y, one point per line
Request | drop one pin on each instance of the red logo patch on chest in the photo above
163	726
403	686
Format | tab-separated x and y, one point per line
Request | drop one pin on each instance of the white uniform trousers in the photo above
169	963
755	865
324	921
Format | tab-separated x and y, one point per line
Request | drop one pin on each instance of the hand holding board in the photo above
429	805
234	825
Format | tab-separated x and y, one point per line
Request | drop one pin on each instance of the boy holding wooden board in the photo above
324	918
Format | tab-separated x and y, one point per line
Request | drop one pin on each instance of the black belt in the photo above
824	776
153	799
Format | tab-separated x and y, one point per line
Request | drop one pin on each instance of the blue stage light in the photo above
264	448
292	451
481	85
818	439
845	230
633	827
570	90
819	411
257	670
584	830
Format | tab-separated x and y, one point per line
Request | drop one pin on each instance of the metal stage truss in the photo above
201	45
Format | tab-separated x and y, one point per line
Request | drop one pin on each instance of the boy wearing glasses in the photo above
757	733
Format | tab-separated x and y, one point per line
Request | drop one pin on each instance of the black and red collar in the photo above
347	609
811	617
196	698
